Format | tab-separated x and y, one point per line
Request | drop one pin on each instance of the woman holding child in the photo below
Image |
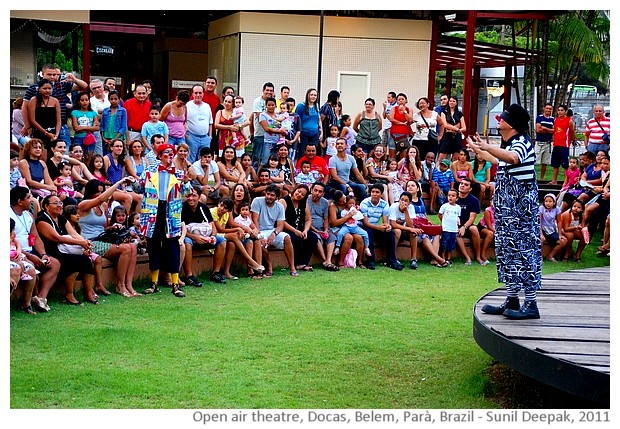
229	132
336	220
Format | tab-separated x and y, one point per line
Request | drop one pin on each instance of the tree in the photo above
578	42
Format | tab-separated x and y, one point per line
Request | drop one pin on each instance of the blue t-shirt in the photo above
545	123
310	120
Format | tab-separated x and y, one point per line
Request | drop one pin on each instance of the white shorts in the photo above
278	242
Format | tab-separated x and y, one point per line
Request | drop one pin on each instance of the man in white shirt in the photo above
98	102
199	123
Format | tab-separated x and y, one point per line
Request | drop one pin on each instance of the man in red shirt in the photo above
563	136
317	164
213	100
138	112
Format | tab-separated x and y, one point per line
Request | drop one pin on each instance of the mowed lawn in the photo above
352	339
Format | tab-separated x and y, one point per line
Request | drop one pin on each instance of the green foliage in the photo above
60	54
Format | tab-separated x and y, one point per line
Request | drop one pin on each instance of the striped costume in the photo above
517	237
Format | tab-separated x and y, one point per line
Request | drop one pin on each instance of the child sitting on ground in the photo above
351	226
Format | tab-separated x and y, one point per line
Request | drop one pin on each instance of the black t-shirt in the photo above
468	204
51	247
201	214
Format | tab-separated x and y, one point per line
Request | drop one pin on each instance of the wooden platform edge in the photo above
564	375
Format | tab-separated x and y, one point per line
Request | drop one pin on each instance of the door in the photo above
354	88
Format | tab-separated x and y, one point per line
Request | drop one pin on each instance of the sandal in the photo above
257	276
268	274
294	273
330	267
231	277
361	266
103	291
444	265
308	268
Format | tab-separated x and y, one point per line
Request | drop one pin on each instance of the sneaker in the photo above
396	265
336	251
529	310
152	289
176	291
193	281
508	304
367	251
413	264
218	278
370	265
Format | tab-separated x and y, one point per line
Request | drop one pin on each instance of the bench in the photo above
202	262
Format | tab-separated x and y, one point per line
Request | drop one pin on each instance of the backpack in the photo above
350	260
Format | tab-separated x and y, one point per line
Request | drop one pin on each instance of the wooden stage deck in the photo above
569	346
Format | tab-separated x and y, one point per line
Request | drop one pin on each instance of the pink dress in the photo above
573	178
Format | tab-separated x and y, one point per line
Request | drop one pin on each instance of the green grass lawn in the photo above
352	339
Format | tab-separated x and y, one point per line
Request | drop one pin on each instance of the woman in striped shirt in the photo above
517	224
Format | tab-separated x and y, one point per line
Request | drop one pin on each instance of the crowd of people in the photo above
94	176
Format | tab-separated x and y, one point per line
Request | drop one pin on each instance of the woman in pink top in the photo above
174	114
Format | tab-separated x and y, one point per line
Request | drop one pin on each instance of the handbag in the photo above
114	236
401	141
432	134
70	249
89	139
203	229
427	226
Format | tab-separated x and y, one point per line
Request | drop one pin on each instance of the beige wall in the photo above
302	25
80	16
395	53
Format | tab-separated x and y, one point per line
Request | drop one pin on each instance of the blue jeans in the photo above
98	143
359	190
349	229
65	136
258	152
196	143
304	139
175	141
595	147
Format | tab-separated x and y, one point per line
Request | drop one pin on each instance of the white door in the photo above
354	88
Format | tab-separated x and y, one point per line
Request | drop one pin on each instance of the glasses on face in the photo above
56	203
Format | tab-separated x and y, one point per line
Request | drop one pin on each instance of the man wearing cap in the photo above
517	220
160	217
444	179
